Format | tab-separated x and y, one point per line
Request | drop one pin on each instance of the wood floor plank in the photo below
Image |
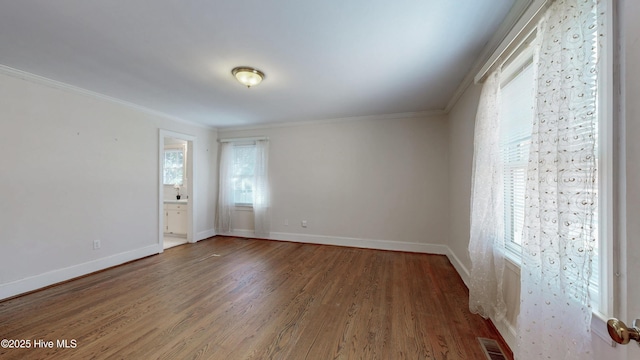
234	298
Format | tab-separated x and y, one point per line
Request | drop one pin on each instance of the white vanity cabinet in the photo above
175	218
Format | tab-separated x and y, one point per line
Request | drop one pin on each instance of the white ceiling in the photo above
323	59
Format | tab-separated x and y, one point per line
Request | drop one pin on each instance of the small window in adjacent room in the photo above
173	166
244	157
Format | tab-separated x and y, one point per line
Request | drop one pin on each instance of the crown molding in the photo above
516	12
27	76
406	115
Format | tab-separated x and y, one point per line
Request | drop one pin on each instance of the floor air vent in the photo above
491	349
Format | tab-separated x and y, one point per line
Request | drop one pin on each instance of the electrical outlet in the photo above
304	223
286	222
96	244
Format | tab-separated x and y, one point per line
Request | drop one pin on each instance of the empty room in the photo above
419	179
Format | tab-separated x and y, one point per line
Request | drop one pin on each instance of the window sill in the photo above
239	207
513	260
599	327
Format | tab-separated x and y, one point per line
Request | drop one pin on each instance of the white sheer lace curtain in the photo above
486	242
259	186
558	237
226	202
261	201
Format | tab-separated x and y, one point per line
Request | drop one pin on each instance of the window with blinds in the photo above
516	120
516	117
517	101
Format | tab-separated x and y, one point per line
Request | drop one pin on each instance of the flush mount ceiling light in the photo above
248	76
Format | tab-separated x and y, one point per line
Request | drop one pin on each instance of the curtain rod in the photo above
530	14
243	139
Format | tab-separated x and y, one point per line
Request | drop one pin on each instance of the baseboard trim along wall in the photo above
459	266
204	235
507	331
347	241
361	243
364	243
53	277
56	276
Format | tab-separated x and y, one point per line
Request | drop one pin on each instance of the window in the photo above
244	157
516	120
173	166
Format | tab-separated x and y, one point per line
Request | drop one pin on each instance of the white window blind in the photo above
516	116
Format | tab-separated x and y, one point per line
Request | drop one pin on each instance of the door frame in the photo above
191	172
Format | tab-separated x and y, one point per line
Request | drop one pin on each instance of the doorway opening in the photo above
176	190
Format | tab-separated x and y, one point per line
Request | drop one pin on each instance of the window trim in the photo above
520	59
606	168
607	179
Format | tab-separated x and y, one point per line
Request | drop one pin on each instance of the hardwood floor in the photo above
232	298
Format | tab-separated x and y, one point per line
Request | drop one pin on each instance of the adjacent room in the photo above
422	179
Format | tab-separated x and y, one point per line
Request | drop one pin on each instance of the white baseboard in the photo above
362	243
347	241
459	266
204	235
508	333
506	329
52	277
238	233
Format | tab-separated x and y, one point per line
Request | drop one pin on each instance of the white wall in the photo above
461	127
361	182
76	168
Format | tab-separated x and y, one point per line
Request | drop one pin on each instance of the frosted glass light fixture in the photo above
248	76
